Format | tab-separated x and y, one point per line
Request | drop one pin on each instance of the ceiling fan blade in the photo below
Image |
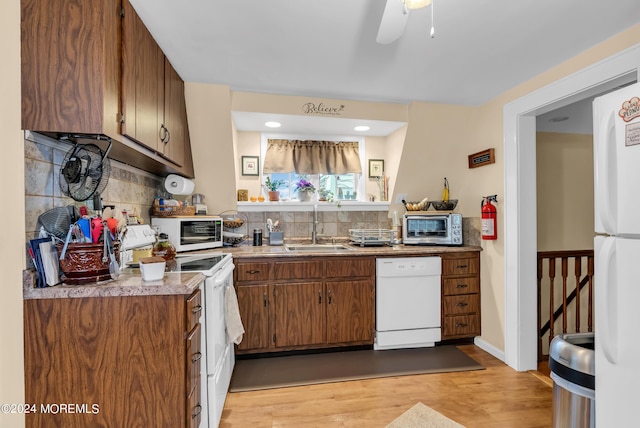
393	22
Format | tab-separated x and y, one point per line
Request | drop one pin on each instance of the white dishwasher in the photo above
407	302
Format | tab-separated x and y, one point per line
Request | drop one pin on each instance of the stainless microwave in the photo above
191	233
432	229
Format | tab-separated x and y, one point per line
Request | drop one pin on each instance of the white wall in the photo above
12	251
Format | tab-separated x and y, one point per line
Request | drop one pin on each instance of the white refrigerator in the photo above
617	256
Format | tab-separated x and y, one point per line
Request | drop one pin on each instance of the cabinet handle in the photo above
198	410
319	297
264	299
462	304
196	309
462	266
196	357
168	136
163	133
461	325
330	297
461	286
253	272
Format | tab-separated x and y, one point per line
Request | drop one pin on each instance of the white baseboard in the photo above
486	346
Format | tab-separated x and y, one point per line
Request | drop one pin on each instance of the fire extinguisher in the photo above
489	218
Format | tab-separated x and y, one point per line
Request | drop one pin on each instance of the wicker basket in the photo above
169	210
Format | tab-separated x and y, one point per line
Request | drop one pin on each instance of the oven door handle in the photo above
222	276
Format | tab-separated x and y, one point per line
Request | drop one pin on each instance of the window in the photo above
348	186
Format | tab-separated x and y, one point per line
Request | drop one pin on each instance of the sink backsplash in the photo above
128	188
297	225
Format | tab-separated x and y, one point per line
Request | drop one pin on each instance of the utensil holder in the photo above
276	238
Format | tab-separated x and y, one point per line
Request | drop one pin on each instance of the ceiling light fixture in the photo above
416	4
361	128
273	124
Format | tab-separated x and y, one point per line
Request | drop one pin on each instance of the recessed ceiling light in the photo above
273	124
559	119
361	128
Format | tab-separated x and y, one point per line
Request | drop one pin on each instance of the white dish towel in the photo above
235	329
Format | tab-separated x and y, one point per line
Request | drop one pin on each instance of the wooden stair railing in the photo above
567	298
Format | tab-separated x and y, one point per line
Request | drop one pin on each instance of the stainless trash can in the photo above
571	360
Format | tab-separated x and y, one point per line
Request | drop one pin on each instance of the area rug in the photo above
296	370
421	416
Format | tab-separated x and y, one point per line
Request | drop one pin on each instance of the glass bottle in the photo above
164	248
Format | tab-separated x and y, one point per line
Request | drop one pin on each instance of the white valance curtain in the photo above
312	157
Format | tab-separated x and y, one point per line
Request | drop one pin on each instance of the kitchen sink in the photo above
325	248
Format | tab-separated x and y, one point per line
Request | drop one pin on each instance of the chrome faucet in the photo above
314	230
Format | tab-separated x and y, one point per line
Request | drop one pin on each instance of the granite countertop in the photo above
130	284
126	285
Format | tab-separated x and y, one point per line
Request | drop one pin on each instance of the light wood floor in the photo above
496	397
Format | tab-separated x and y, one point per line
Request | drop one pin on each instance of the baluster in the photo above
578	273
539	308
552	275
565	271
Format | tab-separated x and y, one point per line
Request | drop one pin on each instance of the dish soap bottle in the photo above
164	248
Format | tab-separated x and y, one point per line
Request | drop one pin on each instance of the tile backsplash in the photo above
128	188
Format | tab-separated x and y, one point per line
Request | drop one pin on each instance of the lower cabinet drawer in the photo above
460	305
194	354
194	409
461	326
463	285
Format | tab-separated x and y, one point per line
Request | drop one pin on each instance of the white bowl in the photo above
152	271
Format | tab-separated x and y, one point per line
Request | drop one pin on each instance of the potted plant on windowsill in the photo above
305	189
272	187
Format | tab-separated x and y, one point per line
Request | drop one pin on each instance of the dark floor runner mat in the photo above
295	370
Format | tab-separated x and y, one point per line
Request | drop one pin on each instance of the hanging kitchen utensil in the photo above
114	268
85	171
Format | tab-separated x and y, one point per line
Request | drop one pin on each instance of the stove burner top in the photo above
198	265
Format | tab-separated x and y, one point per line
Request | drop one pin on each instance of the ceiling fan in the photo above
395	16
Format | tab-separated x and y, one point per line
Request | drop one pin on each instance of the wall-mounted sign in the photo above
482	158
323	109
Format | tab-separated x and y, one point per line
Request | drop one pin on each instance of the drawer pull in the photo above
462	266
253	271
196	413
461	304
461	286
264	299
196	357
460	325
196	309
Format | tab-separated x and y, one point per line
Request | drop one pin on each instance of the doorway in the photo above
519	118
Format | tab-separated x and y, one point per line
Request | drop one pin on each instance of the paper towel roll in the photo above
177	185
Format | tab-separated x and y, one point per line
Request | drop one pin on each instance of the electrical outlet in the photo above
400	197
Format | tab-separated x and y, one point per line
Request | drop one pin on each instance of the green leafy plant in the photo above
273	185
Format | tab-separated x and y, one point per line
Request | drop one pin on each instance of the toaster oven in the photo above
432	229
191	233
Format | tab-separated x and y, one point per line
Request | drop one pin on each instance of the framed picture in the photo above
376	168
250	165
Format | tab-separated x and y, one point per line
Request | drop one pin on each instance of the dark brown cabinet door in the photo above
299	313
70	66
350	311
142	82
253	302
175	116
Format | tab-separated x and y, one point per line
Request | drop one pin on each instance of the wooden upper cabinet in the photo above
175	116
153	106
142	82
87	66
70	66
